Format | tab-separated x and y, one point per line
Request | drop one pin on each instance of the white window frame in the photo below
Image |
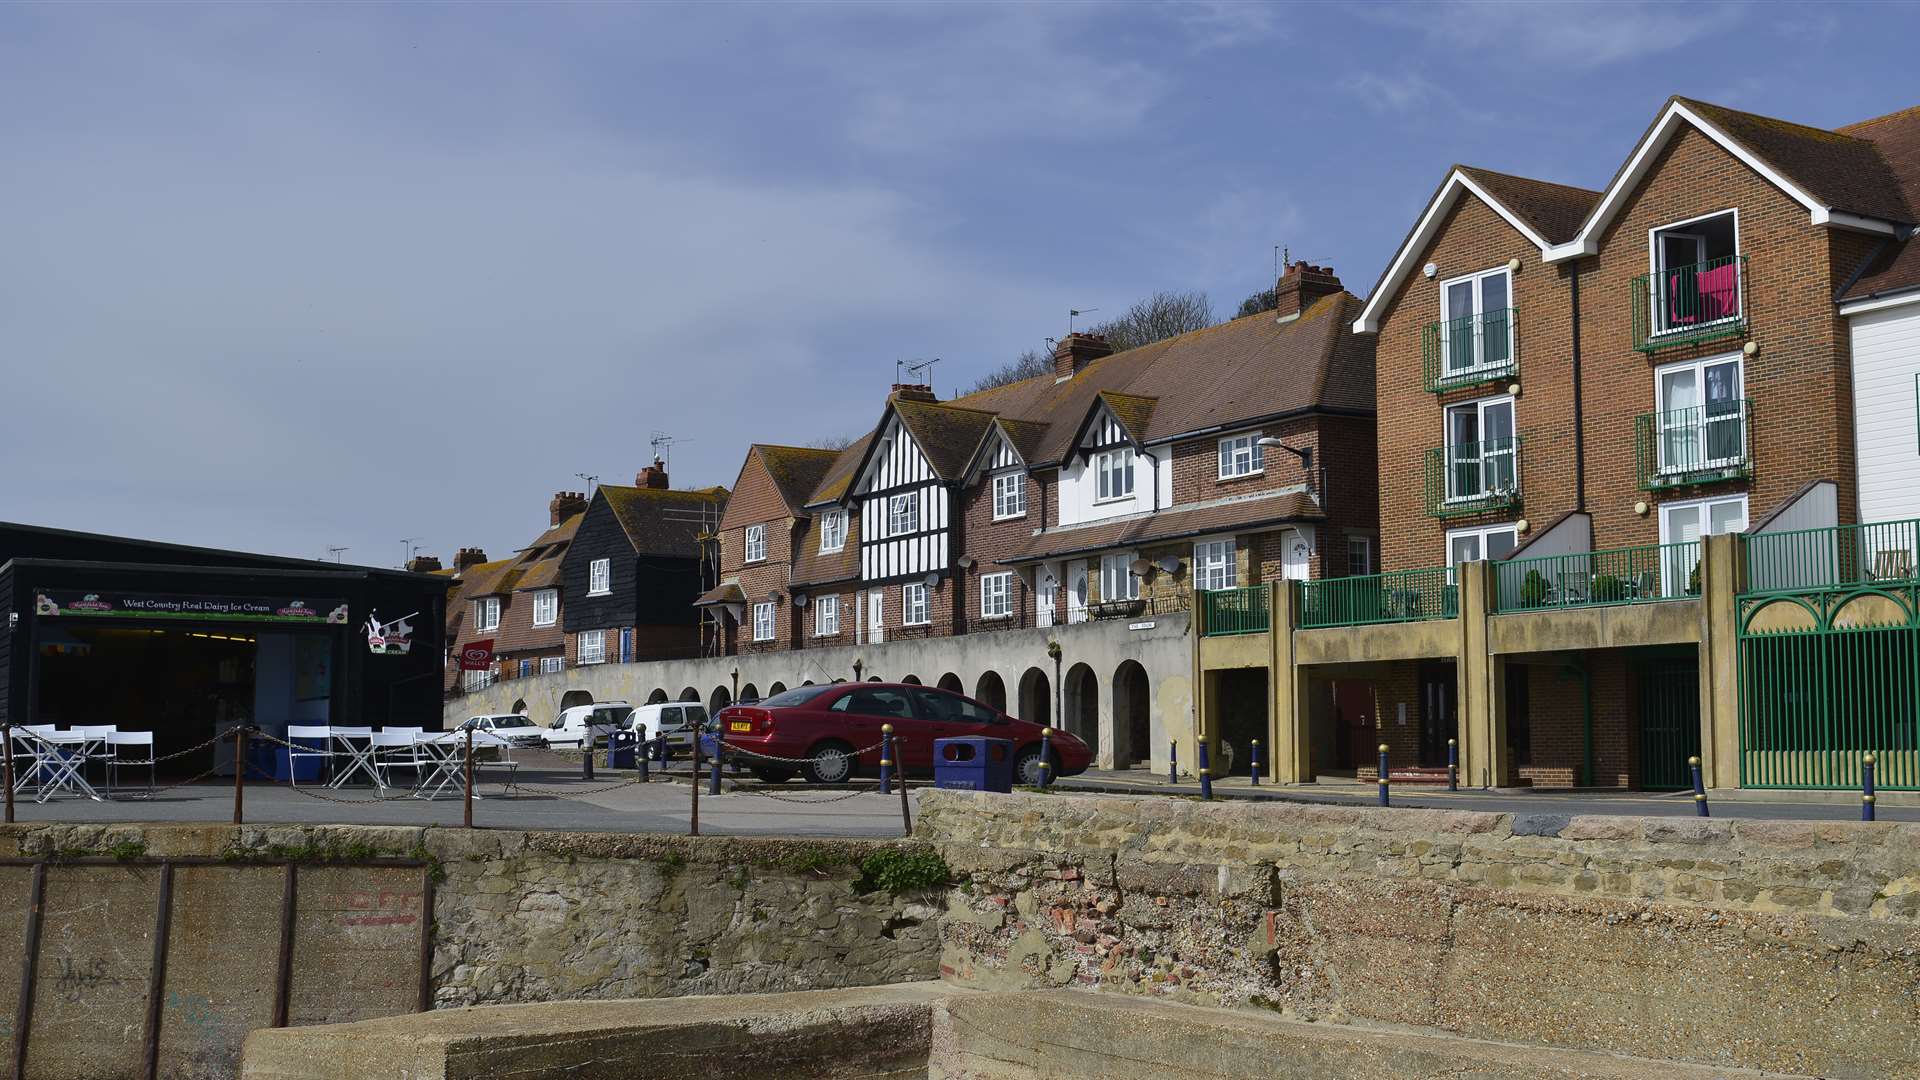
1449	462
915	610
1118	569
551	664
1364	546
1241	455
1216	565
833	531
903	513
1657	319
1009	496
996	595
753	546
1447	315
597	654
1677	568
479	680
599	577
1117	464
546	607
1480	532
765	621
826	616
1699	368
486	613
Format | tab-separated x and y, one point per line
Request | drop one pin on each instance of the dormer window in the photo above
1113	471
1009	496
833	531
1697	285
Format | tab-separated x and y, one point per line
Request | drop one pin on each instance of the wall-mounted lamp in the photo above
1513	264
1641	508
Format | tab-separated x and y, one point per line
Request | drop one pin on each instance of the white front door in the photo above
876	632
1296	558
1077	593
1046	590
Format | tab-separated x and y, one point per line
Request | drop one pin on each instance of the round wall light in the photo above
1750	348
1430	269
1513	264
1523	525
1641	508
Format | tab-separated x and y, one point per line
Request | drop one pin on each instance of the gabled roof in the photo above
1021	435
663	521
1130	410
1554	211
947	434
540	560
840	475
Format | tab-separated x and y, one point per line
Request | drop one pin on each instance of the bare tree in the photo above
1029	364
1264	300
1158	317
833	442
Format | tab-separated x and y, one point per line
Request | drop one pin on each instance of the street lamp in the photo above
1305	454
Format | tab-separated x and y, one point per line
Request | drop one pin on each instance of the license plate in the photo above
739	725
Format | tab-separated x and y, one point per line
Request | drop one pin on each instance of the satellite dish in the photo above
1169	563
799	600
931	580
1140	567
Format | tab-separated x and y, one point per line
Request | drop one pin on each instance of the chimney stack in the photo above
468	558
1075	351
1300	287
565	504
653	476
423	564
914	392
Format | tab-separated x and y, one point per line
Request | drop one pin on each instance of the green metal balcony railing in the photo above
1224	612
1468	478
1635	575
1470	350
1683	304
1401	596
1882	552
1693	446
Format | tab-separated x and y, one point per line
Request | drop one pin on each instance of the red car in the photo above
821	727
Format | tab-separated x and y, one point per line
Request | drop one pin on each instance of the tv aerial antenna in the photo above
922	371
662	444
592	481
407	549
336	552
1074	313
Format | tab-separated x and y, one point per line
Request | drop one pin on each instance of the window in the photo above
486	613
626	645
1114	470
1476	322
478	680
996	596
526	668
600	577
1213	566
826	616
1687	522
833	531
942	707
591	646
1481	542
1116	578
1359	555
1702	421
756	543
913	605
1009	495
1240	456
903	514
546	607
1482	453
1696	273
763	621
551	664
877	701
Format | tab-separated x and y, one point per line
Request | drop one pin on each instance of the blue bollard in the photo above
1173	762
1866	788
1453	764
1255	755
719	755
1206	776
886	759
1699	788
1046	757
1383	775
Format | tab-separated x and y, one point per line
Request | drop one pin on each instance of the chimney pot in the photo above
1301	287
1075	351
565	504
468	557
914	392
653	476
423	564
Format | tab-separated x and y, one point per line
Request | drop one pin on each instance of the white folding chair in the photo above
392	750
117	744
354	744
95	748
319	733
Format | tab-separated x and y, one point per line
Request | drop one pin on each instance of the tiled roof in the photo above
540	561
1142	529
1555	211
946	433
812	568
834	484
1893	268
727	592
1844	170
796	470
1130	410
1027	436
662	521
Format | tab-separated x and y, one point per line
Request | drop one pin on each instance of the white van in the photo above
570	729
677	720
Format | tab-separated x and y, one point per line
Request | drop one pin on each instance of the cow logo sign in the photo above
390	639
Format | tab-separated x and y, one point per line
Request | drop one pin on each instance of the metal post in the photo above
1173	764
886	759
586	761
640	755
1866	788
6	736
1046	757
719	758
693	784
1255	755
239	773
906	814
1453	764
1206	775
1383	775
467	768
1699	788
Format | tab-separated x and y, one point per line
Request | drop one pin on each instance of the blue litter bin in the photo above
305	768
973	763
620	747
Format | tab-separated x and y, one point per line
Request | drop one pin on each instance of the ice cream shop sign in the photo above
254	609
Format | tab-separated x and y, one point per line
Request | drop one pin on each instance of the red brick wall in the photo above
988	541
1196	463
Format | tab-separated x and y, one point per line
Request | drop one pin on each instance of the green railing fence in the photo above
1400	596
1684	304
1634	575
1692	446
1245	610
1470	350
1811	559
1468	478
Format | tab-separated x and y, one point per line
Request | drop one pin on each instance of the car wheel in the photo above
1026	768
773	776
831	762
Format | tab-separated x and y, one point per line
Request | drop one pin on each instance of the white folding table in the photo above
356	745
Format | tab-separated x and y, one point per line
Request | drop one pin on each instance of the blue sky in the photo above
285	277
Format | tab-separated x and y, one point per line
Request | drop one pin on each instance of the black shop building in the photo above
187	642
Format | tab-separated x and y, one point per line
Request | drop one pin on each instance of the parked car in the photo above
823	727
510	728
677	720
572	727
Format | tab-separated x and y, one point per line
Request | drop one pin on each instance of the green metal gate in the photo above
1669	721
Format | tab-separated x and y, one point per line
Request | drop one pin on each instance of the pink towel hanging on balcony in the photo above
1719	290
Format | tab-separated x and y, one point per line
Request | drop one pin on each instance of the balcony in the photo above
1635	575
1472	478
1401	596
1470	351
1226	612
1681	305
1693	446
1880	554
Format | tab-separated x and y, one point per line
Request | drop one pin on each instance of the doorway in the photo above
1132	715
1439	718
1669	701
